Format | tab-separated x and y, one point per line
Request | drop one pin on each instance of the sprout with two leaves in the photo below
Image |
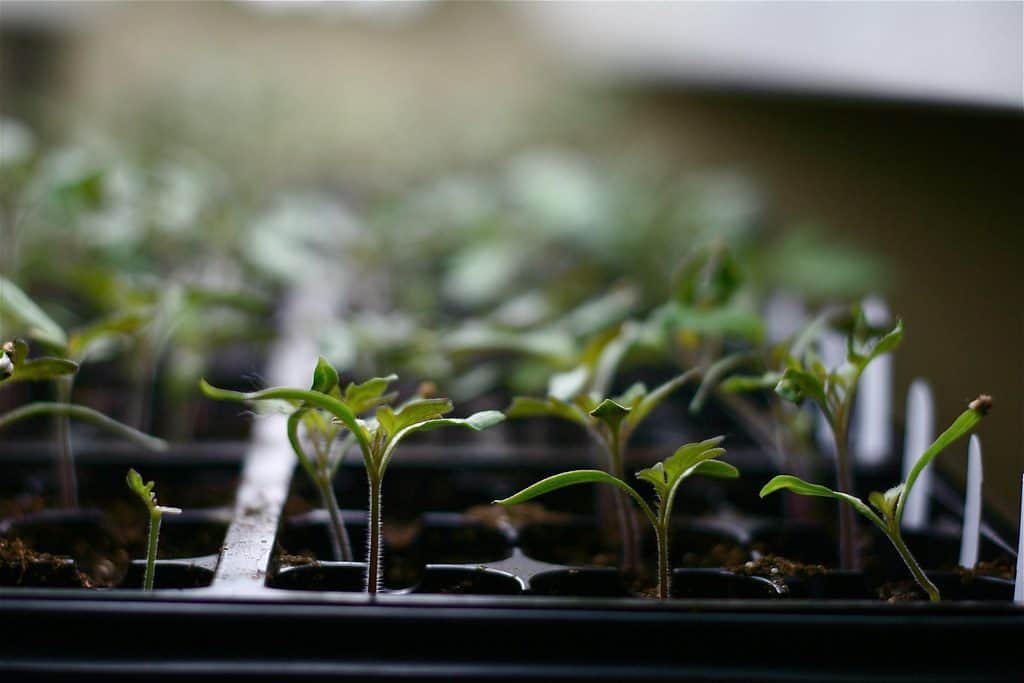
156	513
888	507
833	391
376	437
581	396
666	476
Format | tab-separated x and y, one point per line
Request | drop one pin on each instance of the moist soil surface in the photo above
21	566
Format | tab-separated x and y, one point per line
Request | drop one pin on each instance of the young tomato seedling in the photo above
834	392
665	476
156	513
889	505
376	437
580	396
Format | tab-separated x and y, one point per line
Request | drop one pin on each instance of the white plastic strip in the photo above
920	433
972	506
784	316
833	354
872	429
1018	583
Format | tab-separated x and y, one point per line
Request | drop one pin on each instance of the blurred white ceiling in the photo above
959	52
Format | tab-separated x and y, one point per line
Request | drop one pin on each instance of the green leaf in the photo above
716	469
656	396
572	478
22	314
561	481
370	394
886	502
325	377
790	483
742	383
42	369
692	454
961	426
611	356
610	413
412	412
477	422
714	376
733	320
889	342
796	385
564	386
144	490
632	396
93	338
323	401
525	406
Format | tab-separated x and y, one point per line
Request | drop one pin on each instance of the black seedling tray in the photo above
485	597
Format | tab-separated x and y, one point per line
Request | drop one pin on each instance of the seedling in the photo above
15	366
580	396
376	437
665	476
156	513
90	342
889	506
833	391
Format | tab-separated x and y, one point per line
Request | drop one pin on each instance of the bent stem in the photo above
374	534
84	414
908	559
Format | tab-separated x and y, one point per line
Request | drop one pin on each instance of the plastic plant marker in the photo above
872	435
920	433
784	316
833	353
972	506
1018	580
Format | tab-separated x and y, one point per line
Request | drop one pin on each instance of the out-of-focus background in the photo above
856	148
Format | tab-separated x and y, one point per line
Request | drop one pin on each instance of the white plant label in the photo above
972	506
1018	582
919	435
872	428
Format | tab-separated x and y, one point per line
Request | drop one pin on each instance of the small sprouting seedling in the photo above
156	513
665	476
834	392
888	512
376	437
580	396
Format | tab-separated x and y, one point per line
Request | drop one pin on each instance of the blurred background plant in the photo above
492	185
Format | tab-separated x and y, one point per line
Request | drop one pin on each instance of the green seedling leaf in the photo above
743	383
564	386
715	375
962	426
316	399
416	410
42	369
93	339
886	502
656	396
368	395
666	475
477	422
325	377
796	385
144	490
610	413
797	485
716	469
632	396
572	478
21	313
525	406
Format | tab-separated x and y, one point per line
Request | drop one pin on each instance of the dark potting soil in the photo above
776	569
19	565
